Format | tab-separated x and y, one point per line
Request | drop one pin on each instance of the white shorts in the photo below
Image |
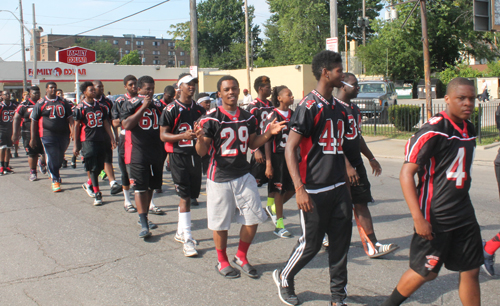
238	199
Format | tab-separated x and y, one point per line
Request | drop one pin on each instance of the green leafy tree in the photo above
132	58
105	51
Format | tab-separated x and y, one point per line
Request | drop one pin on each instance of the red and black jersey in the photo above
260	109
180	118
279	141
24	110
116	109
107	103
444	151
322	124
52	116
91	117
142	143
230	135
352	136
163	104
7	112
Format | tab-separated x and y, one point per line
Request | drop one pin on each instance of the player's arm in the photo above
376	168
352	174
406	178
269	166
203	142
35	136
274	128
16	127
77	132
107	127
304	201
131	121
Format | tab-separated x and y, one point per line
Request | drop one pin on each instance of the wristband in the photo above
373	159
296	189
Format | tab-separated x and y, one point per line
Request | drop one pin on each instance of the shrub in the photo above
404	117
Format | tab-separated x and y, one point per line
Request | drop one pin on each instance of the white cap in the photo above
186	79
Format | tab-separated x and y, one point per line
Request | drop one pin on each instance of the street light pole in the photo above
427	61
334	31
364	23
246	47
23	51
34	37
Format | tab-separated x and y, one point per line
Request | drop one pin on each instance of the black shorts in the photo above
29	150
281	181
459	250
93	154
186	174
361	193
258	171
145	177
6	139
108	151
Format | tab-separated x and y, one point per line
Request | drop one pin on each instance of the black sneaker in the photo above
64	163
73	162
16	155
98	199
286	294
489	262
145	233
116	188
194	202
150	224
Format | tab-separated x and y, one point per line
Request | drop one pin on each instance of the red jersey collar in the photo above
344	103
287	117
184	105
163	102
89	105
463	132
317	94
267	103
51	100
232	117
29	100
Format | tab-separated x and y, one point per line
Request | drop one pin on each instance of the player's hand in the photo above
113	144
15	138
269	171
147	101
32	143
76	152
198	130
423	229
304	201
275	128
259	157
353	175
188	135
376	168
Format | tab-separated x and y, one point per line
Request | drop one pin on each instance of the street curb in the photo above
491	145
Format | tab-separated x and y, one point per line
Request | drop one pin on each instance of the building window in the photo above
156	52
156	62
127	51
182	63
171	52
139	43
171	44
156	43
171	63
115	42
182	53
105	40
143	60
127	42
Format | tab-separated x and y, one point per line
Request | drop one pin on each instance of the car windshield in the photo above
70	95
372	88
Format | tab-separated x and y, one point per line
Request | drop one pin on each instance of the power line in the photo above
12	55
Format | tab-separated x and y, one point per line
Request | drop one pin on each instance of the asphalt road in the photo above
58	249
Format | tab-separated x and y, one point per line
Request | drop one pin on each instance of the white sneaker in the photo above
282	233
89	190
180	238
190	249
326	242
382	249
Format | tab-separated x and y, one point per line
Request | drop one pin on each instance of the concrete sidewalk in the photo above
383	147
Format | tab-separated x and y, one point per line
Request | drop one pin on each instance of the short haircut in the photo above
33	88
275	93
348	75
50	83
261	81
457	82
226	78
183	75
145	79
84	86
201	95
95	82
325	59
129	78
59	90
169	90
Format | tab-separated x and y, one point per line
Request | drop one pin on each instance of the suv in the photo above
375	97
71	96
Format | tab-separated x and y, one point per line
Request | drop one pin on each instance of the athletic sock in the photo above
179	227
89	182
222	258
279	223
185	223
7	164
3	164
126	195
395	299
152	204
144	221
373	238
33	171
270	201
95	188
492	246
112	183
242	251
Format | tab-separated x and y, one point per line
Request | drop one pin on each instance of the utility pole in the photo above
364	24
246	47
334	32
23	50
194	33
346	56
35	38
427	61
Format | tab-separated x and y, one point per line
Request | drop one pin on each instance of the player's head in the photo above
245	91
130	83
203	99
6	95
168	94
146	85
460	98
99	88
88	89
327	67
262	86
34	93
50	89
229	90
187	84
281	95
60	93
350	92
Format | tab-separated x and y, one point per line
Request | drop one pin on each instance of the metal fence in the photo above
378	122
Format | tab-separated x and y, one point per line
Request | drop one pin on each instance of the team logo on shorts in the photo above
432	261
132	181
278	186
176	188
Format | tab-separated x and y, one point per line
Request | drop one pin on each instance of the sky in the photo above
75	16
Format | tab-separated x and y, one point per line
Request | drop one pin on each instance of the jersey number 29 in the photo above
229	135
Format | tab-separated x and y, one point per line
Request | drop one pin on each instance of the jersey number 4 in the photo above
331	143
456	172
229	135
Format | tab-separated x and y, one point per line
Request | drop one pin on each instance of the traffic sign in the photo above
332	44
35	82
75	56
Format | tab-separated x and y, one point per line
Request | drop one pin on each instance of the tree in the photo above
130	59
105	52
221	33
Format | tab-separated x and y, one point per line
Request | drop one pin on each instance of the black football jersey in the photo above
444	152
180	118
107	103
142	143
7	112
278	142
24	110
322	124
92	117
230	135
260	109
352	136
162	104
52	116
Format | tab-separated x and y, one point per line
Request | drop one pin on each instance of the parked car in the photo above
158	96
70	96
375	97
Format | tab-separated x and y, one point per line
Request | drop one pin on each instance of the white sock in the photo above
179	228
126	195
152	204
112	183
185	223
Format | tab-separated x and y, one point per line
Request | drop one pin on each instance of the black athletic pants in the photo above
332	214
121	161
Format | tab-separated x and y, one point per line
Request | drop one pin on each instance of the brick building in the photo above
152	50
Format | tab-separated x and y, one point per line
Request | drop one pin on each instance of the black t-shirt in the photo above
278	141
180	118
24	110
52	116
444	152
352	136
142	143
322	124
92	118
230	135
7	112
260	109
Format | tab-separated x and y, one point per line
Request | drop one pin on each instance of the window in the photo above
143	60
115	42
156	43
171	52
171	44
182	53
127	42
156	52
171	63
140	52
139	43
127	51
182	63
105	40
156	62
